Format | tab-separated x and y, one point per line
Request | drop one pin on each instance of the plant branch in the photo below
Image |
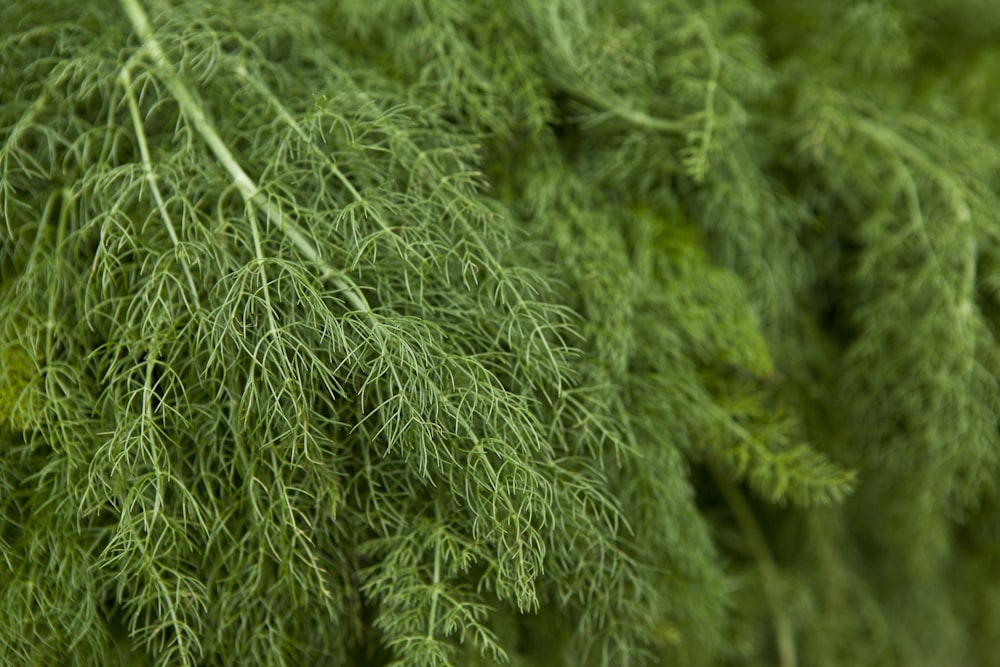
147	168
783	636
245	184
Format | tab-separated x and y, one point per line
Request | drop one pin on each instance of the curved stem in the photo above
244	183
147	169
783	637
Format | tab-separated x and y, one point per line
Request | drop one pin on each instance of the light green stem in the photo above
244	183
147	169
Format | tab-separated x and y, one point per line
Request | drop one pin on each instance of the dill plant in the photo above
541	332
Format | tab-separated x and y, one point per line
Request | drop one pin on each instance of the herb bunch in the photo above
441	333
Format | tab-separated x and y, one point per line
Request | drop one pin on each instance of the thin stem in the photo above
166	599
147	168
604	99
899	150
287	117
783	636
700	157
432	616
6	189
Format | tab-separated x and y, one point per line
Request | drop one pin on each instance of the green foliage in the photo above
549	332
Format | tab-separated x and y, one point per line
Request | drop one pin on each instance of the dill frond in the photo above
435	333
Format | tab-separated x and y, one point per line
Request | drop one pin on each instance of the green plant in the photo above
550	331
